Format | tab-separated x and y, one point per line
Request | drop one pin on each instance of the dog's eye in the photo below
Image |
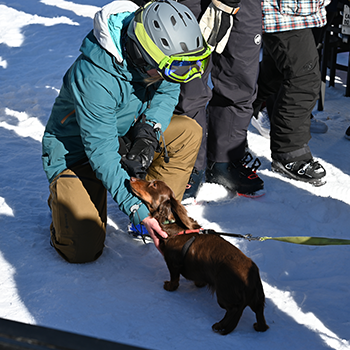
153	184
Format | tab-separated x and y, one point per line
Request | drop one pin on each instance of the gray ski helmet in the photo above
171	26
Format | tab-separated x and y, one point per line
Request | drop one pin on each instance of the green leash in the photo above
289	239
309	240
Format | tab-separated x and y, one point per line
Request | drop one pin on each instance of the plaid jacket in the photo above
283	15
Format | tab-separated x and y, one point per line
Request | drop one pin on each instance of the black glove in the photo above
140	156
217	21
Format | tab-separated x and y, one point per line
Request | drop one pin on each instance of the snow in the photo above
120	297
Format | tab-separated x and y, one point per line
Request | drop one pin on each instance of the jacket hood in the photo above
121	11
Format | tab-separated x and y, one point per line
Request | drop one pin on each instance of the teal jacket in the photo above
99	101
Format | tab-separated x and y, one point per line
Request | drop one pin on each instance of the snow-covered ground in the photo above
120	297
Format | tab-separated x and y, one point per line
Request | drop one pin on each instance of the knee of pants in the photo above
183	138
81	247
189	129
78	203
196	131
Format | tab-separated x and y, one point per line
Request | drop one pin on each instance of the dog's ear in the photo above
164	211
181	213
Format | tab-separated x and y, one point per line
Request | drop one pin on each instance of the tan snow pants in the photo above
78	200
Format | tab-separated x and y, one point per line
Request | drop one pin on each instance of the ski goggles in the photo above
177	68
183	69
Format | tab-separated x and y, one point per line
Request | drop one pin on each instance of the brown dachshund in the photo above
206	259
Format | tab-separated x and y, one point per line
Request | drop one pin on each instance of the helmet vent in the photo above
156	24
198	41
188	16
184	47
165	42
173	20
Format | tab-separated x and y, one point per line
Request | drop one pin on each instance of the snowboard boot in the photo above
304	170
237	176
194	184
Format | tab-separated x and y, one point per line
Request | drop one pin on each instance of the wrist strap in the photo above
221	6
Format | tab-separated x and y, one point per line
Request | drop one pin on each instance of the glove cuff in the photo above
228	9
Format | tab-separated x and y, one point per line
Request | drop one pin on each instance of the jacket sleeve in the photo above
162	104
95	109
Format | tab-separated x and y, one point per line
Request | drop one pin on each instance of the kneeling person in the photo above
107	123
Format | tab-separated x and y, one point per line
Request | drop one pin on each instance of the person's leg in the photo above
234	76
298	93
193	101
183	138
269	82
78	202
196	94
295	100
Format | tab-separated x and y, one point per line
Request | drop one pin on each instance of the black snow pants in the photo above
290	71
234	76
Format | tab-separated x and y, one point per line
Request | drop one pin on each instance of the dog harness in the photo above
186	247
188	244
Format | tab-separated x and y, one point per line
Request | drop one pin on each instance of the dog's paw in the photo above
217	327
200	284
261	328
171	286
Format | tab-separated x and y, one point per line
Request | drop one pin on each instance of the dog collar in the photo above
199	230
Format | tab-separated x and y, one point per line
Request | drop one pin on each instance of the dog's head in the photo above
161	202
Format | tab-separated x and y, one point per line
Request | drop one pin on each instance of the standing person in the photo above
115	101
290	69
234	32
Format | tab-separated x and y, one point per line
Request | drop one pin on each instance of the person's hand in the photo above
217	21
141	153
154	231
